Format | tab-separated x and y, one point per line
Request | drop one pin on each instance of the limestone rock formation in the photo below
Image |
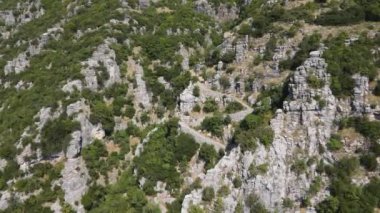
74	182
187	99
300	128
360	100
141	92
101	64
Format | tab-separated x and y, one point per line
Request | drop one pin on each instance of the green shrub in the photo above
315	82
224	191
334	143
196	91
253	202
56	135
224	82
344	61
208	154
299	167
214	125
210	106
376	91
351	15
237	182
92	154
287	203
228	57
369	161
234	107
308	44
197	108
164	152
208	194
101	113
93	197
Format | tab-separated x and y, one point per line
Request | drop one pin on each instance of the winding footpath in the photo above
235	117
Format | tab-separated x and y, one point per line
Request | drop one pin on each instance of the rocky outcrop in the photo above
360	98
102	60
5	196
21	62
7	17
299	129
187	100
223	12
141	93
144	4
185	57
74	182
81	112
71	86
239	47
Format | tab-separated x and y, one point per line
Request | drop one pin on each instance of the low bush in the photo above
208	194
214	125
234	106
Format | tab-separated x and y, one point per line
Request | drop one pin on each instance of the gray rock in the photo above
141	93
75	145
299	129
144	3
74	182
7	17
89	131
185	57
5	196
103	56
360	98
21	62
71	86
187	100
3	164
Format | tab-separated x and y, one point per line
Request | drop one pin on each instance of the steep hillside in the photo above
189	106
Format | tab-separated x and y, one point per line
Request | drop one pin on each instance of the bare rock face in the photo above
88	131
71	86
360	102
299	129
21	62
3	164
74	182
187	99
102	60
202	6
185	57
75	145
141	92
241	48
7	17
227	13
222	13
303	126
144	3
5	196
